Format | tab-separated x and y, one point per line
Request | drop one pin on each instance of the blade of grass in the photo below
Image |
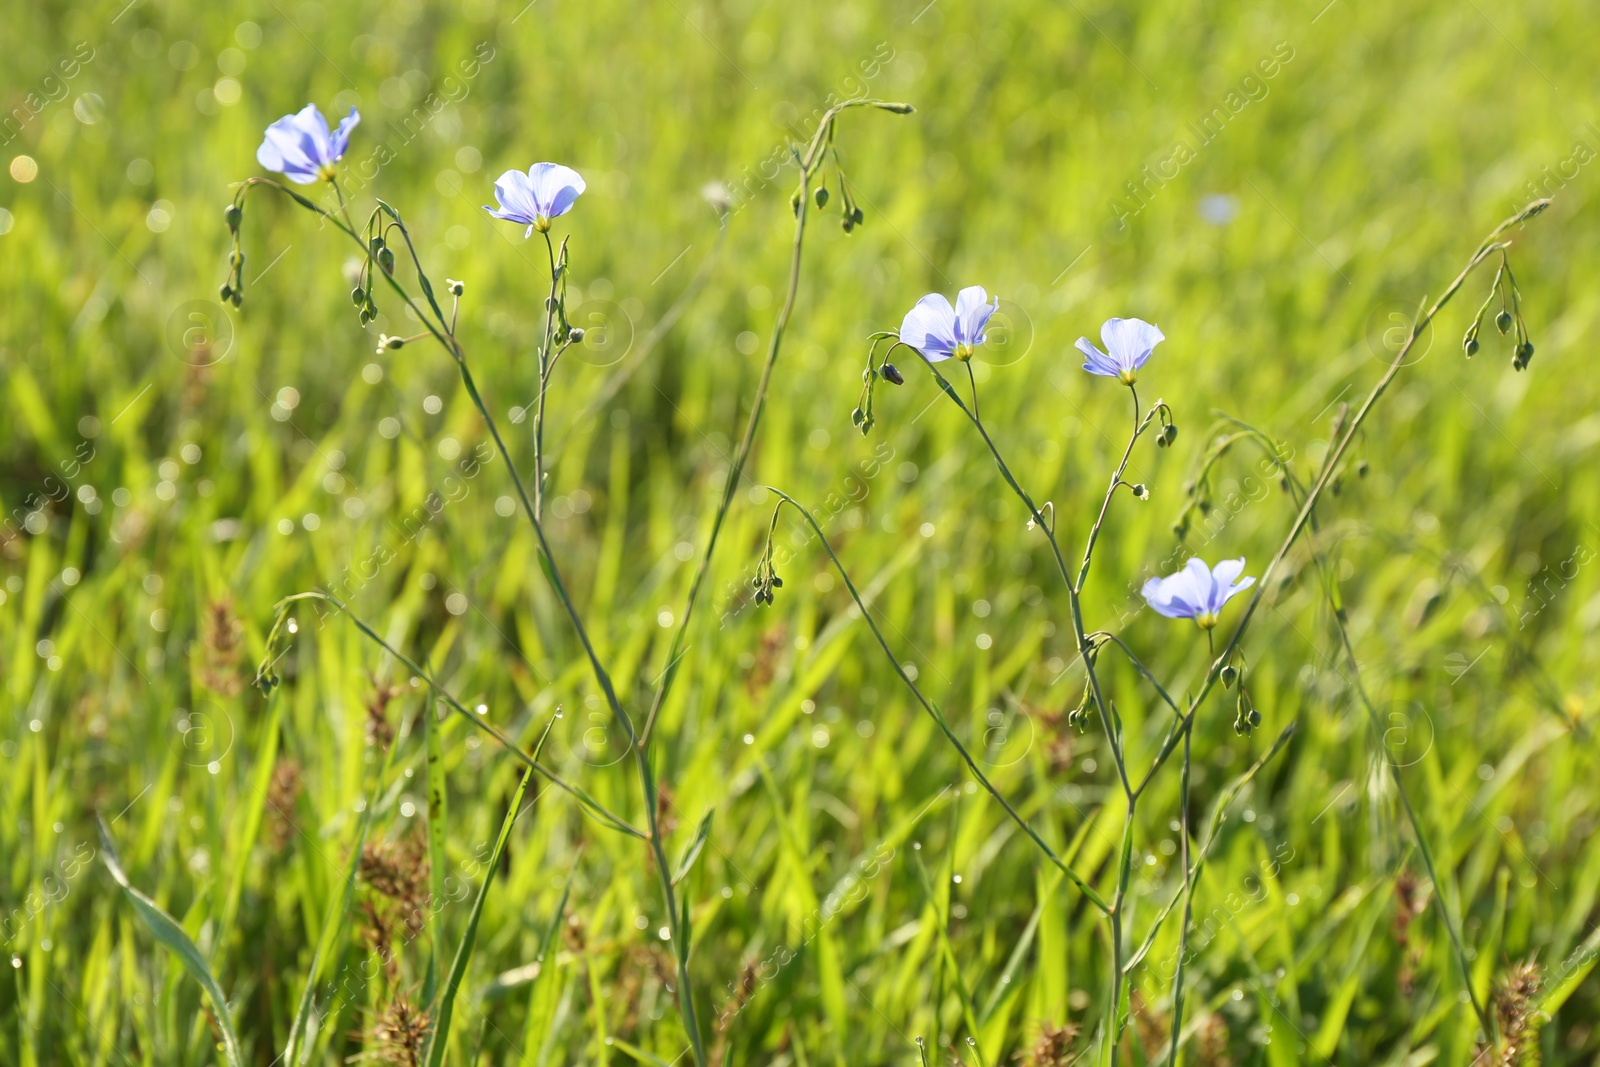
172	937
439	1037
435	819
541	1010
333	918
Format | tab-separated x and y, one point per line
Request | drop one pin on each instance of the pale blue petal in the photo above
1130	341
341	136
1099	362
930	328
972	313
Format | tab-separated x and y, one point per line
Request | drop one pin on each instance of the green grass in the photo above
828	924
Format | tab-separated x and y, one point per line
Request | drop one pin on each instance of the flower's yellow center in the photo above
541	223
1206	619
1128	378
963	352
327	172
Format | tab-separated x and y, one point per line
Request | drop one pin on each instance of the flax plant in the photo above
304	150
936	333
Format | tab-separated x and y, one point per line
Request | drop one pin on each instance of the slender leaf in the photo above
439	1037
173	938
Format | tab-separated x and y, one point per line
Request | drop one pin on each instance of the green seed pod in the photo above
226	292
859	215
821	196
1502	321
358	296
386	259
233	214
794	202
1229	675
1470	346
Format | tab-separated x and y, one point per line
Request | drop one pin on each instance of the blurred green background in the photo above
170	469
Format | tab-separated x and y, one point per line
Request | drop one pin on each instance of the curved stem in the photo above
1105	504
505	740
933	710
808	163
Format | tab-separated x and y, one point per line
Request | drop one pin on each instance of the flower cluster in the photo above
939	332
303	149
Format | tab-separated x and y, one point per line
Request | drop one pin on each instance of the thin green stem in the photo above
546	364
933	710
1188	901
505	740
808	163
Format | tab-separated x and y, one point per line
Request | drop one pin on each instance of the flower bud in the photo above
892	375
226	292
233	213
1470	346
859	216
1502	321
358	296
1169	434
794	202
1229	675
1362	467
821	196
386	259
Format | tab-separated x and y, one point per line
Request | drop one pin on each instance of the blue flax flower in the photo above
1197	592
1129	343
302	148
548	190
939	331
